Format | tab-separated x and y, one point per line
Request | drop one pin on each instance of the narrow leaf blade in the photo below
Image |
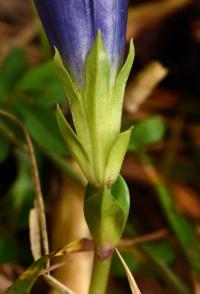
116	103
132	282
74	98
73	142
116	155
26	281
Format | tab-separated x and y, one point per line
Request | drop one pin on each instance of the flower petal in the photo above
72	25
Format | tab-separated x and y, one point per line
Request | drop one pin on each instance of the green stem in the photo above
100	275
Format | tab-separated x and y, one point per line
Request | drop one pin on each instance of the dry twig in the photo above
143	239
39	206
140	88
36	179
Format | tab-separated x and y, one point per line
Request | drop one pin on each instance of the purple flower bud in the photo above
72	25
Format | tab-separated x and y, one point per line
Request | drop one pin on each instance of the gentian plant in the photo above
89	40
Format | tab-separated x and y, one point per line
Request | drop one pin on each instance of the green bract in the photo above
106	212
96	142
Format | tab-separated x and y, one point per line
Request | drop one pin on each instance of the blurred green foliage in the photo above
146	133
30	94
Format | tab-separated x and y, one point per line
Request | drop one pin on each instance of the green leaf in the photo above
116	156
26	281
96	96
43	127
8	249
4	148
158	254
181	227
106	213
116	102
162	251
178	223
162	268
75	101
42	84
147	132
121	194
70	87
96	86
10	72
20	197
37	77
73	142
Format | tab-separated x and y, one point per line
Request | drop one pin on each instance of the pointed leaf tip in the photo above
117	155
132	282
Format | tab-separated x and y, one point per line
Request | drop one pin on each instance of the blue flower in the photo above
72	25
